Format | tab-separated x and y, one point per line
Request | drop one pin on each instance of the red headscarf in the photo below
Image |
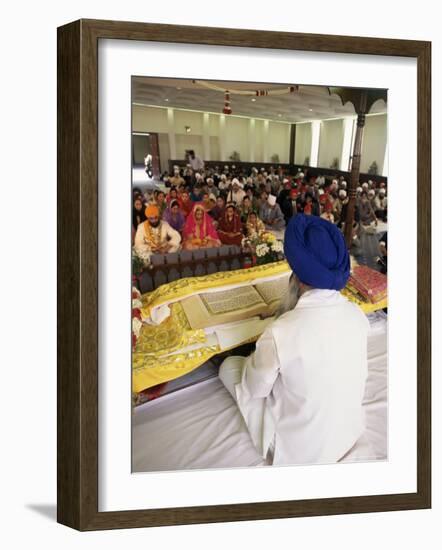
194	230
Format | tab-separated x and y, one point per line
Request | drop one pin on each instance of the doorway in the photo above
146	153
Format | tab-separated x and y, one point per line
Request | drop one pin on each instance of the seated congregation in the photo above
208	208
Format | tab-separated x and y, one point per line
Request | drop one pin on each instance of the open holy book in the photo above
214	308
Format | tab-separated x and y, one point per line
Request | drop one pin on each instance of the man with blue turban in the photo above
301	391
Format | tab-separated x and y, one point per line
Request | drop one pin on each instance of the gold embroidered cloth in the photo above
171	349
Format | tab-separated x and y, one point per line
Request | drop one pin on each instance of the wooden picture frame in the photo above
77	461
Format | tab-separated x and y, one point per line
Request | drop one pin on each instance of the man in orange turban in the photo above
155	236
152	211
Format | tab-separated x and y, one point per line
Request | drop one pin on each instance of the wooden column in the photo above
292	144
354	180
362	100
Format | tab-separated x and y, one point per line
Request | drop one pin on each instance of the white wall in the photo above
331	138
330	142
374	142
275	140
188	118
279	140
237	130
149	119
154	119
188	141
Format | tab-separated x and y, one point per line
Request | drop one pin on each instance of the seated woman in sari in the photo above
254	226
229	227
174	216
199	231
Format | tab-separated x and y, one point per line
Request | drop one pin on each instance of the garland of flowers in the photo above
227	110
152	236
257	93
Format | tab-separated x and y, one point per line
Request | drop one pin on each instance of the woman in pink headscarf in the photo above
199	231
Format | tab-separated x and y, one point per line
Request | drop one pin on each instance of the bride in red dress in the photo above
199	231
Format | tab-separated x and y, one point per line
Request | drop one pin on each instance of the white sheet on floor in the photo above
200	427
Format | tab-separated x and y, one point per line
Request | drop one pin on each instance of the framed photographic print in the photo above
243	299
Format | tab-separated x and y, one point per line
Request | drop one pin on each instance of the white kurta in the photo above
303	386
166	234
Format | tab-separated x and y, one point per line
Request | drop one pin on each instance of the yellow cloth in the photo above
157	357
176	290
367	307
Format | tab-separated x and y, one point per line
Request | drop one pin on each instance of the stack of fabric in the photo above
371	285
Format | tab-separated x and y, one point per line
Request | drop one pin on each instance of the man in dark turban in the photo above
301	391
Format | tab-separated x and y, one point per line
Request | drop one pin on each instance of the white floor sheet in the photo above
200	426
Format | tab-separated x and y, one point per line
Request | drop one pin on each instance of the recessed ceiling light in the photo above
178	88
253	99
166	100
279	114
310	110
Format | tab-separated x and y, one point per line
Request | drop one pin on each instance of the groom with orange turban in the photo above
155	235
301	391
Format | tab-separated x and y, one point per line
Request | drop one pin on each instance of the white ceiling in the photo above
308	103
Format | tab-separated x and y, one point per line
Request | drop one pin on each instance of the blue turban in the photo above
315	250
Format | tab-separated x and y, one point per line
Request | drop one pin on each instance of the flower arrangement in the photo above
137	323
267	248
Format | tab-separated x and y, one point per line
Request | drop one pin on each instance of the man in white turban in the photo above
223	183
236	193
176	180
381	204
300	393
271	214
